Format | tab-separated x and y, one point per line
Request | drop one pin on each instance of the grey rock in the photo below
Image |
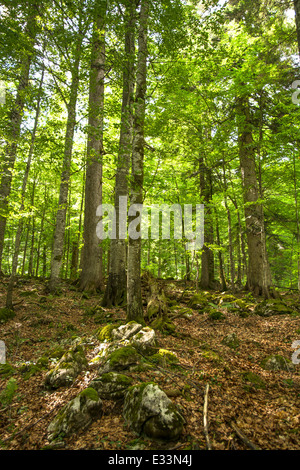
147	410
76	415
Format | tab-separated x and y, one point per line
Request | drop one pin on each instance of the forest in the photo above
150	225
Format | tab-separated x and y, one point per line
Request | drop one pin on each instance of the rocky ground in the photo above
218	343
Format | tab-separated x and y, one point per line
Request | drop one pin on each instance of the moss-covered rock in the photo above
277	362
144	341
215	314
164	357
198	302
211	355
125	332
231	341
271	307
147	410
105	333
112	385
123	358
76	415
67	369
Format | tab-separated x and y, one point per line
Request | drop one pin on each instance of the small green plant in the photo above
7	395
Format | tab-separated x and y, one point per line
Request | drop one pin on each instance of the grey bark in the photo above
91	278
59	233
258	276
116	288
9	292
134	294
15	120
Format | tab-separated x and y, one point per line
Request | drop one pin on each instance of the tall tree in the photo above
259	277
59	234
91	278
116	288
134	294
15	117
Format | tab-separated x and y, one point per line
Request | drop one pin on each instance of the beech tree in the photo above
91	278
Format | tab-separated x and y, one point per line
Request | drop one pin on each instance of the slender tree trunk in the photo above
91	278
116	288
207	280
221	264
59	234
14	128
258	278
230	242
9	292
31	254
134	293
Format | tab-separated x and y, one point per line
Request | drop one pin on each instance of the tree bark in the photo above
14	128
258	276
134	294
91	278
59	233
9	292
116	288
207	280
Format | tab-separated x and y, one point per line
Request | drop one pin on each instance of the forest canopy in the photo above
169	102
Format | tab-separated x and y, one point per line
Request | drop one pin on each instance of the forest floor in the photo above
268	415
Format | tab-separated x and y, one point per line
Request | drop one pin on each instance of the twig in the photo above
209	447
243	438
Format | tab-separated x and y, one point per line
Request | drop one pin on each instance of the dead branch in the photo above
205	423
243	438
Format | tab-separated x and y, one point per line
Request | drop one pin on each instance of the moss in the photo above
121	379
198	301
276	362
6	314
215	314
123	355
255	380
104	334
164	325
231	341
89	393
211	356
6	370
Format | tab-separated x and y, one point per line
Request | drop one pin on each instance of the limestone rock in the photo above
76	415
126	331
277	362
67	369
144	341
112	385
231	341
121	359
270	307
148	410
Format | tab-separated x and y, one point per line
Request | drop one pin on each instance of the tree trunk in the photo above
9	292
14	129
134	294
116	288
91	278
207	280
230	242
259	280
59	233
